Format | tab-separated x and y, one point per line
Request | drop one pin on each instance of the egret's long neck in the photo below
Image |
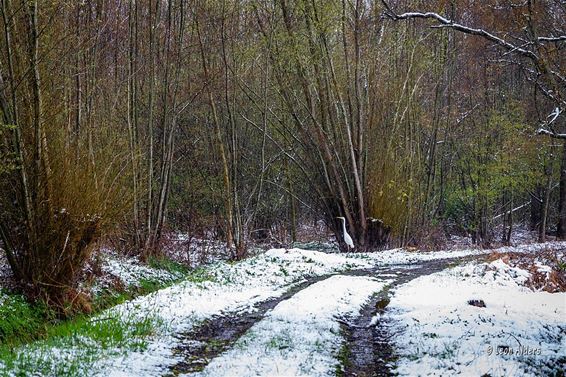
344	225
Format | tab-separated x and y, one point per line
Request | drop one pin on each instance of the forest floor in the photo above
291	312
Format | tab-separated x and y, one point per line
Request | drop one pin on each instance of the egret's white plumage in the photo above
347	238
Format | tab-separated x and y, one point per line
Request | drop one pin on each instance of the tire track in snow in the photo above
369	348
367	335
300	335
219	333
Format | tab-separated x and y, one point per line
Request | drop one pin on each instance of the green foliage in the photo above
20	319
168	265
495	159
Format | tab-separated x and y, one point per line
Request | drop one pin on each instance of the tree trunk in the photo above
536	208
220	143
561	228
546	200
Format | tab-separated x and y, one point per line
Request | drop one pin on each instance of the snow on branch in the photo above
547	127
552	39
445	22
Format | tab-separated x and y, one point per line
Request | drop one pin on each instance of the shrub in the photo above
50	222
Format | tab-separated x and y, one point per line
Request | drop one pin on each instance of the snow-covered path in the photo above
237	290
300	336
234	290
269	345
217	339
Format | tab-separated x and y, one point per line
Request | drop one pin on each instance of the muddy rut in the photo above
367	349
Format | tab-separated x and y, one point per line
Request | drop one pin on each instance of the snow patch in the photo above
131	272
439	333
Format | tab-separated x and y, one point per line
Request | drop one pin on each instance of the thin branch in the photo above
552	39
547	127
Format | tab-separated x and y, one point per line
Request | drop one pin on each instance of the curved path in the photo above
366	350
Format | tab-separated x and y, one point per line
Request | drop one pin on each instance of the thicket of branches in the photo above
232	118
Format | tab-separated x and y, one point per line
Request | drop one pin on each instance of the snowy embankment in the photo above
300	336
401	256
510	331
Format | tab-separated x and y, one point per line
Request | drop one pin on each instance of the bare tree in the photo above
538	55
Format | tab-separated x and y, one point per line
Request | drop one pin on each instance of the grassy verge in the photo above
344	356
77	344
29	333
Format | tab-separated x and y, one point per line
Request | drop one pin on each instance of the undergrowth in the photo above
80	342
30	331
20	319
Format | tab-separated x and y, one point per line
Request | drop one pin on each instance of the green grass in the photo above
284	271
34	342
344	356
280	342
72	347
168	265
30	332
200	275
111	297
19	319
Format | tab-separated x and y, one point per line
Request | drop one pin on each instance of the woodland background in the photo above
125	120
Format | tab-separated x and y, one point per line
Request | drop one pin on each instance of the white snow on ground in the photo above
438	333
235	288
223	287
543	268
238	287
231	288
300	336
401	256
115	272
131	272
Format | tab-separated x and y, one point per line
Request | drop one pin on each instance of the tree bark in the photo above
545	204
561	227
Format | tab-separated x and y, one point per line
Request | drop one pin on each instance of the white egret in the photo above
347	238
